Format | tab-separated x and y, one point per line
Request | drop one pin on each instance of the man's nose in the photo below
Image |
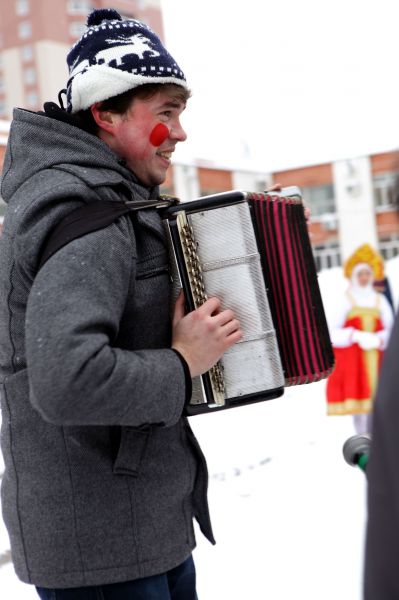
177	132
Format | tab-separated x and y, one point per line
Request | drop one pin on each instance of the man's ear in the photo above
105	119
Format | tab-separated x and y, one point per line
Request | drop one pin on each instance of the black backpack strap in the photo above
79	222
92	217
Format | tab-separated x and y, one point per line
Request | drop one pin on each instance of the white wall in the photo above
355	204
186	182
4	129
53	71
248	181
12	78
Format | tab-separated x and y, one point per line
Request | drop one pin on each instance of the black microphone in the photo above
356	450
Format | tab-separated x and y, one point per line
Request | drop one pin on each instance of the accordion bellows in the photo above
253	252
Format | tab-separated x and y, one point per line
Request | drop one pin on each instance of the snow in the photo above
288	513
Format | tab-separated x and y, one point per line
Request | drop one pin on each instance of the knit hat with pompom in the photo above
113	56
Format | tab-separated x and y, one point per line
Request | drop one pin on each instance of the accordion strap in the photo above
92	217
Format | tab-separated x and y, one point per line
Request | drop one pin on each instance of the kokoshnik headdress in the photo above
365	254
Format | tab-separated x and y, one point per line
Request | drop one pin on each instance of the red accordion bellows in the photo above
292	287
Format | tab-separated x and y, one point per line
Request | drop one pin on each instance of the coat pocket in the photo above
153	272
131	451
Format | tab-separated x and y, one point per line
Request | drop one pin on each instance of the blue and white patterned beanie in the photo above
114	56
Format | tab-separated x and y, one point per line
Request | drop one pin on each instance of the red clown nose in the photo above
159	134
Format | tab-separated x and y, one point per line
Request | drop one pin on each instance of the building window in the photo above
327	256
79	7
127	16
26	53
77	29
32	99
389	246
24	30
320	199
386	188
261	184
22	7
30	76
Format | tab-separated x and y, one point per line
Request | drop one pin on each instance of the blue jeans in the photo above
176	584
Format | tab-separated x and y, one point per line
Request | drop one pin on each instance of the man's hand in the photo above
204	334
276	187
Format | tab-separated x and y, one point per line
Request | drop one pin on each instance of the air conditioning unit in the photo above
261	185
331	224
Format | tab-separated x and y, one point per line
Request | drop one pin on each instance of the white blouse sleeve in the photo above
341	337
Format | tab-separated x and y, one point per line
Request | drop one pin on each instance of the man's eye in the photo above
167	113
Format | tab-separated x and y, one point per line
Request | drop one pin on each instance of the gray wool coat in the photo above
103	475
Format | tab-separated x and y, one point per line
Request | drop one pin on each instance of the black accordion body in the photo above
252	251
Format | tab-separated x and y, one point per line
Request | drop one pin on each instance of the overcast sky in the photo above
284	83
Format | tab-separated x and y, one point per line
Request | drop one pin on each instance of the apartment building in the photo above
352	201
35	38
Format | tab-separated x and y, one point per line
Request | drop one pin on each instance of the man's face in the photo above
132	135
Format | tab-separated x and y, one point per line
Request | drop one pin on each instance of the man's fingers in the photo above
232	326
224	317
179	311
211	306
276	187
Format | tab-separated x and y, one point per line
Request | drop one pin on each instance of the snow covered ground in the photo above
288	513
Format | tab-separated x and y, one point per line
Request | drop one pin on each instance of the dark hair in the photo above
120	104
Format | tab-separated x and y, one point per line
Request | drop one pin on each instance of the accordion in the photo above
252	251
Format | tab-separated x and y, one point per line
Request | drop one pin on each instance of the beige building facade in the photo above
35	36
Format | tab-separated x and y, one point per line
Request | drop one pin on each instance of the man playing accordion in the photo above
103	475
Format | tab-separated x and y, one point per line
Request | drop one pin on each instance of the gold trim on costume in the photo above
368	316
351	406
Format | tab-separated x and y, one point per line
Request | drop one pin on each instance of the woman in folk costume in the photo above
359	330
